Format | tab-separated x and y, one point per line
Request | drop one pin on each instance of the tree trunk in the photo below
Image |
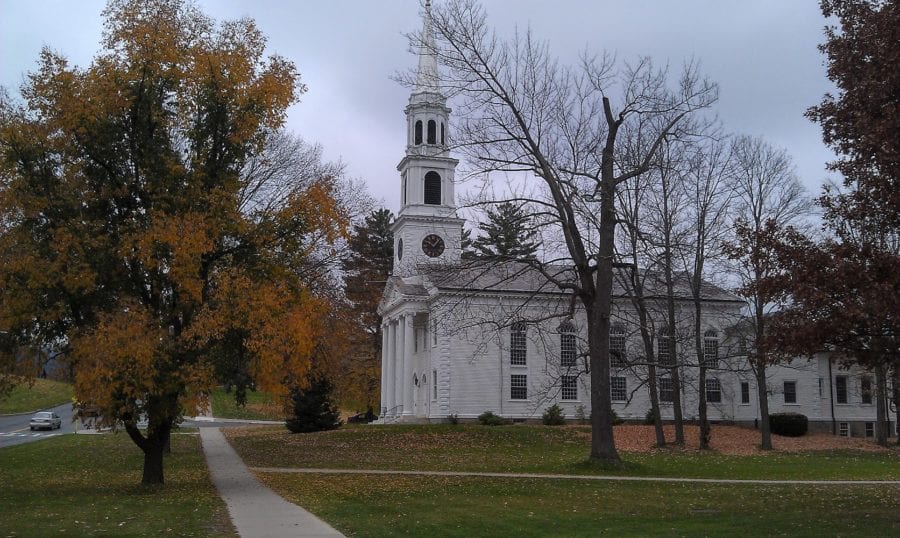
896	382
654	407
881	414
153	446
673	354
762	394
599	308
704	422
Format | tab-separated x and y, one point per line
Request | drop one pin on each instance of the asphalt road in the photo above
14	429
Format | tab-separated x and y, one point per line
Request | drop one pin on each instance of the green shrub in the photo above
580	415
312	408
553	416
650	417
615	418
488	418
788	424
453	418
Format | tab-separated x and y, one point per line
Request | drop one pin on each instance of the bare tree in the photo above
768	196
520	110
707	182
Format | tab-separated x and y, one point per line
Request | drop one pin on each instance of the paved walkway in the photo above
582	477
255	510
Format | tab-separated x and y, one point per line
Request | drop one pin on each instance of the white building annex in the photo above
461	337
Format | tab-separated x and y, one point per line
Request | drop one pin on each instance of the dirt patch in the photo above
736	440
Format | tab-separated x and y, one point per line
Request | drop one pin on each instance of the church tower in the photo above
427	229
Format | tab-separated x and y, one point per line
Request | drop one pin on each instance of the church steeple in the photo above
427	227
427	75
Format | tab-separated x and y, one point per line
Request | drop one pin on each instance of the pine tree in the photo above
507	234
313	409
366	270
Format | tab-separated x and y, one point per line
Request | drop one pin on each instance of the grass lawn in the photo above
533	449
43	394
260	406
369	505
90	484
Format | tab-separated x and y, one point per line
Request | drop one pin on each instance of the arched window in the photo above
518	345
617	355
432	132
665	355
433	188
443	140
567	349
418	132
711	349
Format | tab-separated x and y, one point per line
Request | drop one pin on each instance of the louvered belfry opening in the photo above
433	188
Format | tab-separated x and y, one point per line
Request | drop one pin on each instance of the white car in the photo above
45	419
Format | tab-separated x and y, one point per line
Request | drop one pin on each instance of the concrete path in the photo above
255	510
583	477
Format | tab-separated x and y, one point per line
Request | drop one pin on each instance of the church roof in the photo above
518	277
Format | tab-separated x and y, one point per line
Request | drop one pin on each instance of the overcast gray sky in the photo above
762	53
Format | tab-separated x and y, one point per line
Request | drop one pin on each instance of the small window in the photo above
567	344
840	389
663	345
745	392
617	389
870	429
711	349
432	132
443	139
518	387
418	136
433	188
713	391
569	387
434	384
617	356
518	344
844	429
666	393
865	389
790	392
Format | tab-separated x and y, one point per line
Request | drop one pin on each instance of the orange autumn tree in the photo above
149	224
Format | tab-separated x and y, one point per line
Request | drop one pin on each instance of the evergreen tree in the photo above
507	234
313	409
366	269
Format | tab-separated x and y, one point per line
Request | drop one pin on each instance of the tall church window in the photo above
617	344
711	349
566	344
664	348
666	390
518	387
569	387
713	391
443	139
618	389
433	188
418	132
432	132
518	345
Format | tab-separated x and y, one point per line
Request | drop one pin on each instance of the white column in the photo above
408	350
396	366
384	370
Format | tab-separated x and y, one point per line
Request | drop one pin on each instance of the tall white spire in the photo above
427	75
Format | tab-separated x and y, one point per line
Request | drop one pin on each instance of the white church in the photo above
462	337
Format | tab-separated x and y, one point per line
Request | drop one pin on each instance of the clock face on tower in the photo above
433	245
